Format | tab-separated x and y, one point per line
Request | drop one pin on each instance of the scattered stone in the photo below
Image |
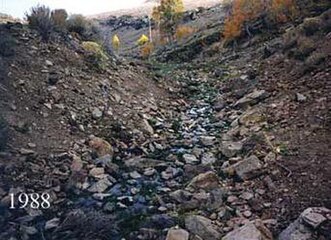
251	117
181	196
247	196
208	180
94	172
253	231
149	172
208	159
48	63
177	234
25	151
100	186
190	159
97	113
230	149
247	214
146	127
53	223
314	217
135	175
301	97
207	141
232	199
248	168
202	227
251	99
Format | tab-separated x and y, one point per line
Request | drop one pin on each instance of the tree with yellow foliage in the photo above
116	43
167	16
143	40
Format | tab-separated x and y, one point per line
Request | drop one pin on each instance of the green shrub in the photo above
39	18
95	54
59	18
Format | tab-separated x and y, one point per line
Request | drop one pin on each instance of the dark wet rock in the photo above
202	227
160	221
141	163
75	224
53	78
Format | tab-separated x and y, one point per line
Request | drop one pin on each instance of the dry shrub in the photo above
290	39
39	18
146	50
77	23
316	58
305	46
283	10
59	18
183	32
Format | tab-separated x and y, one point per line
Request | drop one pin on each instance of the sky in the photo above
17	8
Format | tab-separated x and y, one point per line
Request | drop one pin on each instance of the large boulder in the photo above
308	223
250	231
251	99
246	169
202	227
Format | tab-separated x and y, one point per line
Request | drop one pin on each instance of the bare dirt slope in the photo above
147	7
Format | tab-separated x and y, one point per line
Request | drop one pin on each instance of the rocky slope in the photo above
228	145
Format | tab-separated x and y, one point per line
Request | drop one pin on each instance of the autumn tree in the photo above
167	16
245	12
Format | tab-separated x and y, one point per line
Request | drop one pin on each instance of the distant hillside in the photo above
149	4
7	18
